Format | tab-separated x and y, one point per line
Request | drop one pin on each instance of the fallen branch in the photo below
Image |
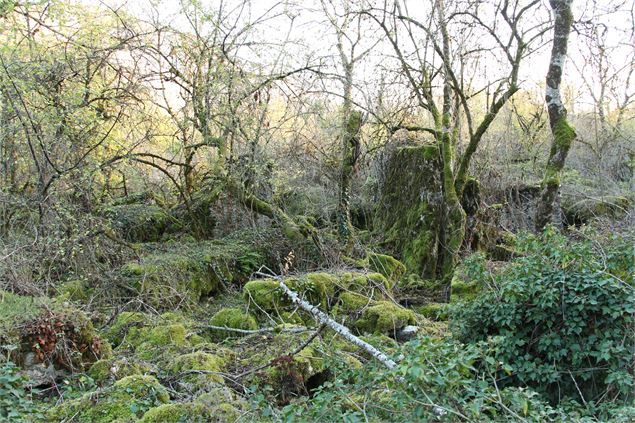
326	320
291	354
255	331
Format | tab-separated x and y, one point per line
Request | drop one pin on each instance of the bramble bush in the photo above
565	313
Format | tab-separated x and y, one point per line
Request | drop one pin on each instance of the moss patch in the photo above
386	318
410	208
172	275
232	318
138	222
125	401
387	265
50	332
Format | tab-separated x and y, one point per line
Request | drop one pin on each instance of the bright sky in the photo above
304	22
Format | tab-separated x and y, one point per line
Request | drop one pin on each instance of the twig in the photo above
294	352
255	331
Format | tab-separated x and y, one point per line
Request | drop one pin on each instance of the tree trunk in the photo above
563	134
350	151
453	227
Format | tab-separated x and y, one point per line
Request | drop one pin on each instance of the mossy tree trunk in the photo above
350	152
563	134
453	228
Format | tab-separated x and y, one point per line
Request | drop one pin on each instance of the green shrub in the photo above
565	312
16	404
436	380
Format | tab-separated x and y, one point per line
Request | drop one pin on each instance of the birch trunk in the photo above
563	134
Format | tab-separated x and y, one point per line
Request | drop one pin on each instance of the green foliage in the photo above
565	312
441	380
16	404
127	400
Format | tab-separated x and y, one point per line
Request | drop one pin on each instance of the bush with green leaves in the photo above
435	380
565	311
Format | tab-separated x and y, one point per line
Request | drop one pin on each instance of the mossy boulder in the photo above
320	289
434	311
463	291
117	332
40	330
173	275
74	290
413	290
138	222
125	401
579	211
105	370
385	317
194	412
234	318
265	295
200	370
410	207
177	413
387	265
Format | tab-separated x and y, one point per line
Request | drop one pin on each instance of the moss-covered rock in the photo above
47	331
320	289
114	369
177	413
265	294
385	317
410	207
117	332
74	290
125	401
578	211
414	290
138	222
200	370
232	318
463	291
434	311
194	412
387	265
178	274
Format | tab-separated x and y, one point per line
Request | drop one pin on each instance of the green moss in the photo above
209	366
122	324
176	413
15	310
350	302
107	369
434	311
385	317
125	401
463	291
264	294
586	209
182	274
232	318
27	323
138	222
410	210
75	290
388	266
